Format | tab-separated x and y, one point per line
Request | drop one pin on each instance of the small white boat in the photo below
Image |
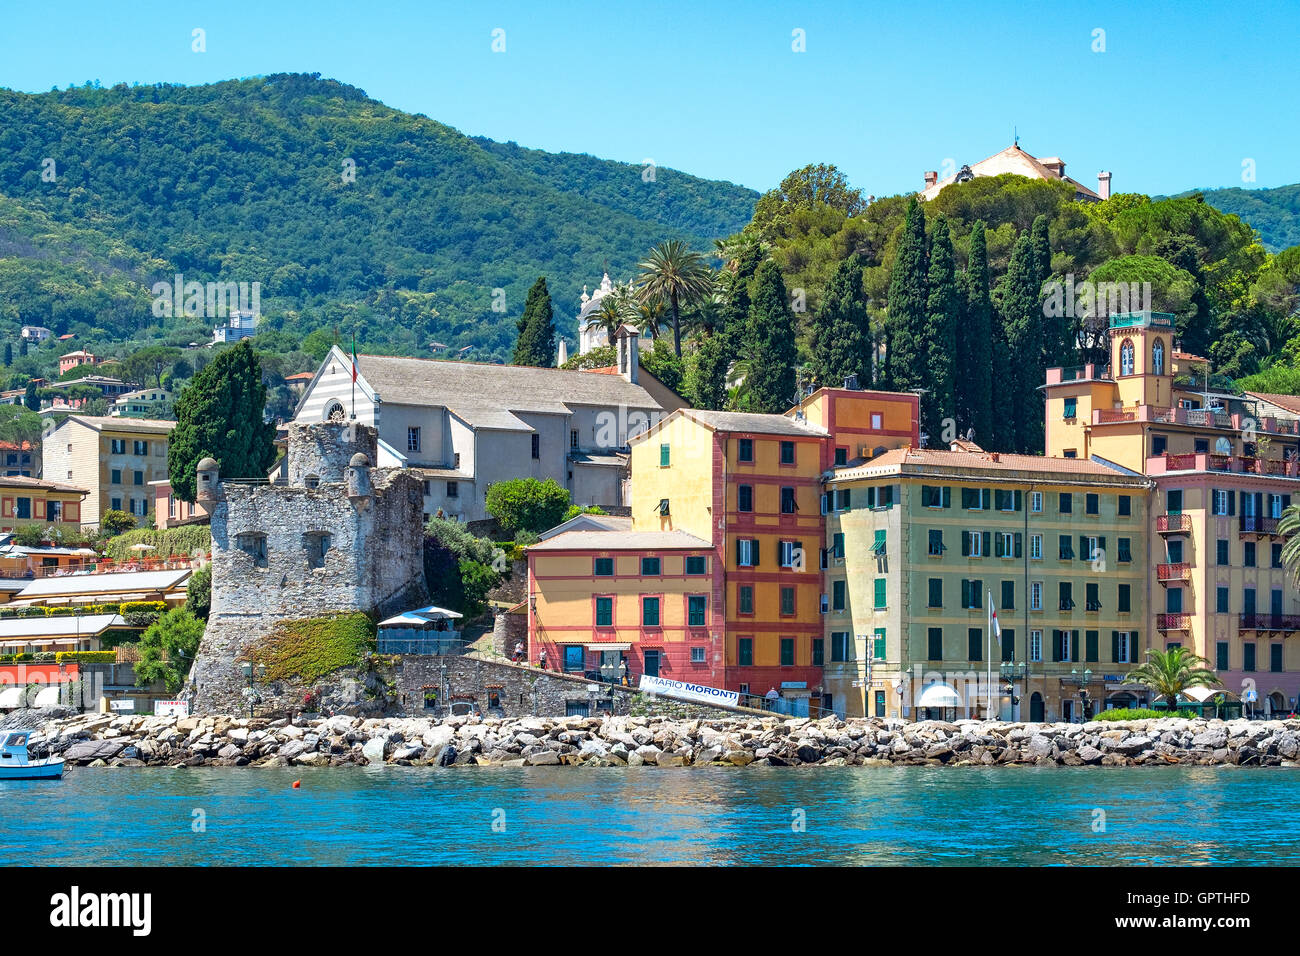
16	765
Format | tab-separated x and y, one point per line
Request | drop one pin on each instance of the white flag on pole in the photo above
993	619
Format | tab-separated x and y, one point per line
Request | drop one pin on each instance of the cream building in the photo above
114	458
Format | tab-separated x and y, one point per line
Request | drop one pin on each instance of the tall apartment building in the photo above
919	540
1224	467
114	458
726	532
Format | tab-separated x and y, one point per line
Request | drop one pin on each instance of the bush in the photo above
310	649
167	649
574	511
142	613
86	657
198	593
476	581
524	538
1129	713
459	569
527	504
29	535
115	523
185	541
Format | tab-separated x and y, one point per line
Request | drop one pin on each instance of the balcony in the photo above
1269	622
1142	320
1257	524
1173	622
1173	572
1234	464
1174	524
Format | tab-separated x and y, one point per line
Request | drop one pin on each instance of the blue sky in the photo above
1183	94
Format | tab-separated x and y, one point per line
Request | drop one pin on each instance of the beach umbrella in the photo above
142	547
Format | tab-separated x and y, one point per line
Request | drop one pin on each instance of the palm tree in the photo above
674	274
609	315
1169	673
1289	528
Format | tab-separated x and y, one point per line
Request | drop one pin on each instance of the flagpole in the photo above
988	664
354	376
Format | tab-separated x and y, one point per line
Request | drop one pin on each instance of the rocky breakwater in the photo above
107	740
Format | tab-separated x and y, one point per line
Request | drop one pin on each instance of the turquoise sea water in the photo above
573	815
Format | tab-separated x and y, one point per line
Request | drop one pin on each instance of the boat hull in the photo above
35	770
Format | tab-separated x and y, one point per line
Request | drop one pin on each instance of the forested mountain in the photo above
104	192
1274	213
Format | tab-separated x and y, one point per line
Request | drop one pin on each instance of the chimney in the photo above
628	350
1103	185
1055	165
931	178
851	382
562	353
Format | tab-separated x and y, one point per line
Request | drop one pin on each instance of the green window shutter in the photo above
975	644
1056	645
947	497
1101	544
1008	640
1009	595
878	652
1114	647
1090	642
965	544
997	547
986	541
1019	500
965	593
880	593
753	549
664	455
1019	544
739	545
1083	548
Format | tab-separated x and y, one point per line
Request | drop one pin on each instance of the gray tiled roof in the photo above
620	541
752	422
486	395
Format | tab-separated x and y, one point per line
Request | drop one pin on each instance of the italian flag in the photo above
993	619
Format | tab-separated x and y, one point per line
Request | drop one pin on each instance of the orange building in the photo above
741	494
30	501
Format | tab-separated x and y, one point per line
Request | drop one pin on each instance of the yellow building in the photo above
917	540
31	501
1224	468
115	458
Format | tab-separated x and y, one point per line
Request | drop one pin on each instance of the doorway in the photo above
652	663
1036	708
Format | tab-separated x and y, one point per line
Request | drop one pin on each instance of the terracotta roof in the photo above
895	460
37	484
1290	402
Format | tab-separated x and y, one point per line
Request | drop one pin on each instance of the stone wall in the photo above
524	691
374	561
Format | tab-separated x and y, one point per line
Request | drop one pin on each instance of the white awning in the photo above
609	646
938	695
1205	693
11	698
49	697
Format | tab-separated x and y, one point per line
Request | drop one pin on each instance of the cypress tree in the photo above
535	344
907	351
976	345
706	372
219	415
22	346
1022	318
770	351
1060	333
30	398
9	354
839	338
942	306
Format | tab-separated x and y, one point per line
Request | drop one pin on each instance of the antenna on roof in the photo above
1016	133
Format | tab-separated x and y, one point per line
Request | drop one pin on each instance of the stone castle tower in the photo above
340	535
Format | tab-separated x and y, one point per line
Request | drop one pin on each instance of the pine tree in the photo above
706	372
975	346
839	338
907	350
1022	317
220	415
535	344
769	354
943	309
1060	333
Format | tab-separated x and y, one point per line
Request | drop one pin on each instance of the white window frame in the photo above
746	559
1036	503
976	544
1036	547
785	554
1036	596
412	437
1125	648
1221	501
1035	647
1008	543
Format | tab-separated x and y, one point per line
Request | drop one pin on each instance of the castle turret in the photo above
357	477
208	481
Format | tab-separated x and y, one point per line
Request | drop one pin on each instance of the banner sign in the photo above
681	690
171	708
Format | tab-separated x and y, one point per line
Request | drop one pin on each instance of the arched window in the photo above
1126	357
1158	358
334	412
253	543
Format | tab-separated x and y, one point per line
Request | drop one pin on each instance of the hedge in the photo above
86	657
183	541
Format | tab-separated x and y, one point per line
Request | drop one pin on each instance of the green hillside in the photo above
1274	213
244	181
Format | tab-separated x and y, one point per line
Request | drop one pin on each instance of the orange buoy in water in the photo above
297	784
